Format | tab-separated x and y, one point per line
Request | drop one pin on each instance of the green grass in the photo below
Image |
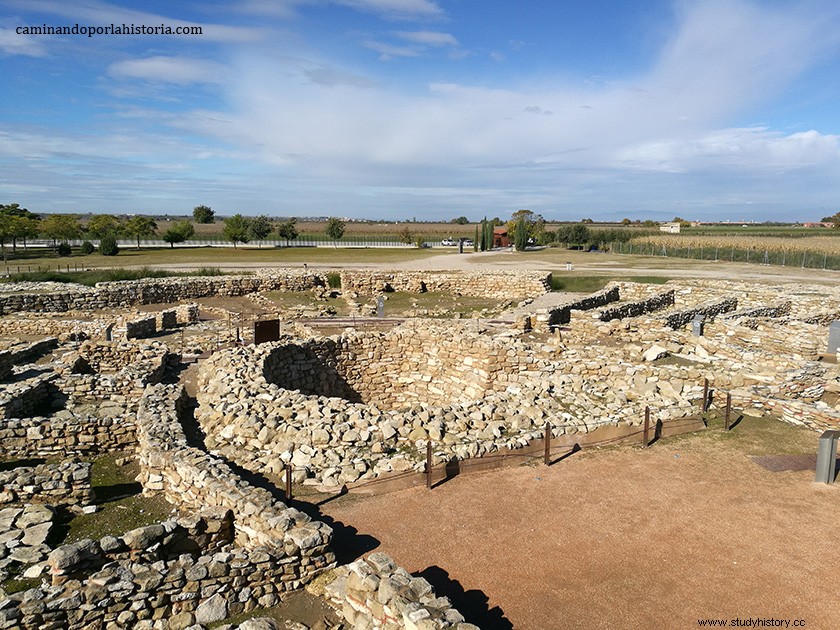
90	278
122	507
218	256
564	281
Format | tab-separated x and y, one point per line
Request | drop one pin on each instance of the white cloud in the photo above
429	38
388	51
13	44
179	70
398	9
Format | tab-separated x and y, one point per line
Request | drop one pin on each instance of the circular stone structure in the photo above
351	407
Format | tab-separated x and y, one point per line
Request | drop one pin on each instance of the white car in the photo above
447	242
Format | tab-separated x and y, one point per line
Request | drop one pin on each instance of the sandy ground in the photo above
583	264
619	538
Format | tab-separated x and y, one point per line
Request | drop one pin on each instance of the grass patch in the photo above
222	256
122	507
334	280
404	304
591	284
90	278
306	300
18	585
300	606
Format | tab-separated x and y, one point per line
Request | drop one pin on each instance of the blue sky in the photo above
706	109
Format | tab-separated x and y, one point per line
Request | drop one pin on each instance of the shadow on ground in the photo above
473	604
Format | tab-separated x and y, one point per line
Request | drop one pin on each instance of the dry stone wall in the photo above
635	309
376	593
67	483
332	440
190	478
497	284
681	318
24	398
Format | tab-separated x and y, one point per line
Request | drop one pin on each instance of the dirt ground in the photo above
691	528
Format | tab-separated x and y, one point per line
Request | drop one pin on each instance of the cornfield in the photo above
818	252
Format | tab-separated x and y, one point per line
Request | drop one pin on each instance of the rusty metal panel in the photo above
266	330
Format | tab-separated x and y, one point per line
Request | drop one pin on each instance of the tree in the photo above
520	234
237	229
288	230
587	221
575	234
460	221
835	219
335	229
534	223
204	214
102	225
260	227
20	223
61	227
108	245
625	222
405	235
178	233
140	226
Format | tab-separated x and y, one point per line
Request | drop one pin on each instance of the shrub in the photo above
63	249
334	280
108	246
87	248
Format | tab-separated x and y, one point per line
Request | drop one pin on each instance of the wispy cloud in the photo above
388	51
428	38
179	70
13	44
396	9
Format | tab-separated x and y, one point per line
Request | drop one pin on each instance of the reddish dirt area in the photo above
688	529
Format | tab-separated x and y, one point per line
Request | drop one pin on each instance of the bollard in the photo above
704	404
646	434
547	454
827	457
728	411
428	465
288	482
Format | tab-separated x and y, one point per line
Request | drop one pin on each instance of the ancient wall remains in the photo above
24	398
642	307
66	483
192	479
376	593
710	310
496	284
65	434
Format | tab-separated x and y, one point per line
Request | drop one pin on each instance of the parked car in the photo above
447	242
468	242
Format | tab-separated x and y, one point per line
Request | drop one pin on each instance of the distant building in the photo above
500	237
816	224
671	228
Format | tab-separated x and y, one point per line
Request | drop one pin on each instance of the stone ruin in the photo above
339	410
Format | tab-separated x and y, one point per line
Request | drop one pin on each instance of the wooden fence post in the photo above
547	454
728	411
288	482
429	465
645	436
704	404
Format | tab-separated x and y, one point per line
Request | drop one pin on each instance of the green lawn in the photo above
216	256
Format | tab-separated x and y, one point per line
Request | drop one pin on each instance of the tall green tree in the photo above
102	225
61	228
520	234
178	233
140	226
260	227
288	230
237	229
204	214
335	229
21	223
534	223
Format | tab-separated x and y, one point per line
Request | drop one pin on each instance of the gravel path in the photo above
622	538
